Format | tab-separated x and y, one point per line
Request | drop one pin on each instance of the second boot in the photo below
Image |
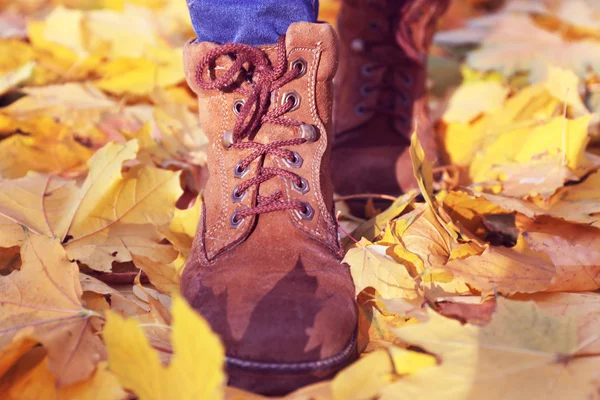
380	94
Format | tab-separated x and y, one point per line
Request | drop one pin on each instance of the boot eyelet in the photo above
236	196
291	96
295	162
235	220
240	172
368	70
366	90
300	65
360	110
308	132
237	106
227	140
358	45
307	213
405	121
374	25
407	80
405	98
301	186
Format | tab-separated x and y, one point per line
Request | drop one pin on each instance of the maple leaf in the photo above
11	79
522	353
574	250
371	267
113	216
38	383
195	371
578	203
368	376
36	201
504	270
471	100
584	307
42	301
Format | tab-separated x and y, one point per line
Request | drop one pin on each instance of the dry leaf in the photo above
371	267
43	300
521	354
195	371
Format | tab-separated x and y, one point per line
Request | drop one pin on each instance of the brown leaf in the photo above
42	301
574	249
505	270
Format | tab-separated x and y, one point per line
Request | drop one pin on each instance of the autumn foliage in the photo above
481	284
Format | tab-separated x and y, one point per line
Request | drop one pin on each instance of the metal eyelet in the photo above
300	65
358	45
295	162
227	139
366	90
360	110
307	213
238	172
237	106
291	95
235	221
302	187
308	132
407	79
405	98
405	121
236	196
368	70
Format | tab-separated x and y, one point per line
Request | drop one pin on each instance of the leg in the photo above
253	22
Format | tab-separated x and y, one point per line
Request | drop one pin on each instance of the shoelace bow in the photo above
263	79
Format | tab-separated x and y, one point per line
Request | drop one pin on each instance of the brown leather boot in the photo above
265	269
380	94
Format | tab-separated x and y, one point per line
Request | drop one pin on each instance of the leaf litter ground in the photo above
484	285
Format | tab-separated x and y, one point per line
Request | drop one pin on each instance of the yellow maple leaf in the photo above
195	371
365	378
522	353
371	267
112	216
11	79
161	67
504	270
473	99
39	383
42	301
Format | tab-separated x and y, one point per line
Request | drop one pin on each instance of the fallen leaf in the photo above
10	80
473	99
195	371
522	353
114	216
583	307
371	267
43	299
368	376
505	270
39	383
574	250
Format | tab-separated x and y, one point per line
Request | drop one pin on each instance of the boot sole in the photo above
277	379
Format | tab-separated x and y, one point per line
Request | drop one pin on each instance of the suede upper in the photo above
274	287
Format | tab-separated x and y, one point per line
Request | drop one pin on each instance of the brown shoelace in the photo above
252	65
